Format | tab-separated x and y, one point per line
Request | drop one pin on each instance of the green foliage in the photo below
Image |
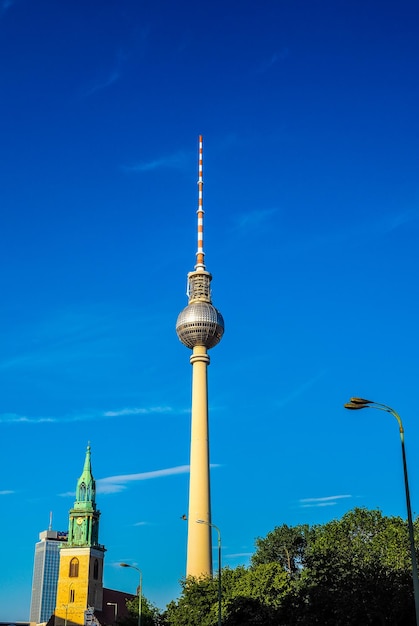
150	615
267	583
257	595
285	545
358	571
198	603
355	571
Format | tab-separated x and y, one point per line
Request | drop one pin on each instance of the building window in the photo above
82	493
96	569
74	568
72	595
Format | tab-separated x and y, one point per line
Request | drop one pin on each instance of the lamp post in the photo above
139	590
70	600
361	403
115	605
201	521
66	613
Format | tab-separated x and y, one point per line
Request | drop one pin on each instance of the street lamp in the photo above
66	613
115	605
201	521
139	590
361	403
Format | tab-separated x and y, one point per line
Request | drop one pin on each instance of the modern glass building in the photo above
45	574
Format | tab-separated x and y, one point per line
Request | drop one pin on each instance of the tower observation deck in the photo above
200	326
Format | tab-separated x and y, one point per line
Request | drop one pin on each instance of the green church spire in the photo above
84	517
86	486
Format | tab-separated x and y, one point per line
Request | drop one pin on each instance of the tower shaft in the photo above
199	326
199	555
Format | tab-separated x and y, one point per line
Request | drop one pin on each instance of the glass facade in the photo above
45	575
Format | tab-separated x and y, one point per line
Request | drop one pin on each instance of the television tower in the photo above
200	327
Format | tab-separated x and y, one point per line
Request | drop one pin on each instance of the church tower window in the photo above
82	492
74	568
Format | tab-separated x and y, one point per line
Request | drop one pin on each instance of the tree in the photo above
285	545
257	596
196	605
150	614
249	596
355	571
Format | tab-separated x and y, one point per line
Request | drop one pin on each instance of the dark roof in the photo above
107	615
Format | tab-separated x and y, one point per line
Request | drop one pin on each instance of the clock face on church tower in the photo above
79	520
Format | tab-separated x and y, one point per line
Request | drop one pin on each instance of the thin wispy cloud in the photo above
67	494
100	332
5	6
325	501
14	418
17	361
357	233
115	484
392	222
6	492
178	160
110	77
63	337
253	219
139	411
274	59
107	82
300	390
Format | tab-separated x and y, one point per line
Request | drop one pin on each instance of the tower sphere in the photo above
200	324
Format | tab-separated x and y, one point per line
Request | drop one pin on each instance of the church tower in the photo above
80	579
200	326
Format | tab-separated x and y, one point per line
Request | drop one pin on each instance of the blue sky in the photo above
309	112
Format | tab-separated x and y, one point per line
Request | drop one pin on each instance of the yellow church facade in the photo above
80	579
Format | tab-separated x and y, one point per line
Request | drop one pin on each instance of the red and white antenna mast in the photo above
200	265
